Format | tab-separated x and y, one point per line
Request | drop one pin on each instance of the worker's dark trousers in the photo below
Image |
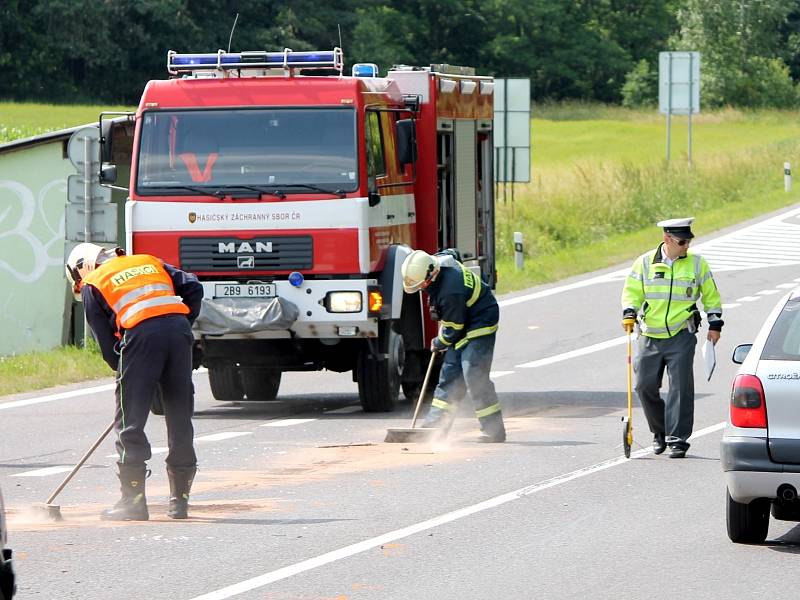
675	417
467	370
156	351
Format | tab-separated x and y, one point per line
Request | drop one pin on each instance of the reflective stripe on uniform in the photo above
138	293
451	325
442	405
475	333
476	292
489	410
129	313
444	340
659	330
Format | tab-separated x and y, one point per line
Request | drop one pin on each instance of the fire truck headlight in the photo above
343	302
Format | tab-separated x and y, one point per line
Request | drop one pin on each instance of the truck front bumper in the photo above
315	319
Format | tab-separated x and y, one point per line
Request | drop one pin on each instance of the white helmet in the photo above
84	259
418	270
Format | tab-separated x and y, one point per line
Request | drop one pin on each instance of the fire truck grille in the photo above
273	253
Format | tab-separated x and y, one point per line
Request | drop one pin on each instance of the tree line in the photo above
594	50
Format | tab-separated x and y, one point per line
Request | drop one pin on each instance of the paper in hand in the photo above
709	358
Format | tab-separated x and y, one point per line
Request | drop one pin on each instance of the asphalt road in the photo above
301	499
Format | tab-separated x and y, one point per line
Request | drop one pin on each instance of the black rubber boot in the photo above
180	484
133	504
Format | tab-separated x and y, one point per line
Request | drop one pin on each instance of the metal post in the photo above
513	171
669	103
87	213
787	177
505	136
518	253
691	107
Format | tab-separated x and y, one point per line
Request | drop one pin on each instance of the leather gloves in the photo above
437	345
628	320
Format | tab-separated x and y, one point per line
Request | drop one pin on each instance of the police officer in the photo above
141	311
661	292
468	315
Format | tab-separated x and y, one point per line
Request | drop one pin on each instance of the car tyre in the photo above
747	523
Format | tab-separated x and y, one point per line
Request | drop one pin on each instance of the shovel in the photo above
53	511
414	434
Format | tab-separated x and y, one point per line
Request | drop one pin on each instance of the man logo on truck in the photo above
231	248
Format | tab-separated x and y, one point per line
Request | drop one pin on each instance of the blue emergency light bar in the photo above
365	70
288	59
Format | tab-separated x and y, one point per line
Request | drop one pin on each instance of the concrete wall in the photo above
33	289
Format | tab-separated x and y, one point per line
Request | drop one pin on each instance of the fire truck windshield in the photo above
288	150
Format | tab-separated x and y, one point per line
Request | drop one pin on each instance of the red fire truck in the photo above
294	192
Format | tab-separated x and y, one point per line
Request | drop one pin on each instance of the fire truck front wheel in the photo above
379	374
225	382
260	384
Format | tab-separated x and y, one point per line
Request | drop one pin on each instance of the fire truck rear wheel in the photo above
261	384
225	382
379	380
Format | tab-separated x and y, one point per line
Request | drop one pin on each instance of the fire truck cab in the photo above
294	192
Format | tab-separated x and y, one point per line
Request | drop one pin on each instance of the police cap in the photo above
679	228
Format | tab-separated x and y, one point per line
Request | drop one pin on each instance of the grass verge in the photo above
37	370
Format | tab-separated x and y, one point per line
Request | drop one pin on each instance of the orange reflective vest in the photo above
136	288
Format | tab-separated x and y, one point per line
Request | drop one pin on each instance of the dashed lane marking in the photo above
497	374
748	299
398	534
573	353
44	472
225	435
286	422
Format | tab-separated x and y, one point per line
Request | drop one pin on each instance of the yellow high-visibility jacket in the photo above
665	297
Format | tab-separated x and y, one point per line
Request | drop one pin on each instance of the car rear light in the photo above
748	406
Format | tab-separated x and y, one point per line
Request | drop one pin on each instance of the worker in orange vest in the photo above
141	311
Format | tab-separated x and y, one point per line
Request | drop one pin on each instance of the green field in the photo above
599	185
22	120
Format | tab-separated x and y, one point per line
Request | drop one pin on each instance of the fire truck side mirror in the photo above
106	135
108	174
406	142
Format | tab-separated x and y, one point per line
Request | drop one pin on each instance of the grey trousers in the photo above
674	417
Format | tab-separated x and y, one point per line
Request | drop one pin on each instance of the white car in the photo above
760	448
7	588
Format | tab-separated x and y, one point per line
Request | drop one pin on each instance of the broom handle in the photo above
80	464
423	389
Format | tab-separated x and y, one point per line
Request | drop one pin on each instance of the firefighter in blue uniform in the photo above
468	314
141	311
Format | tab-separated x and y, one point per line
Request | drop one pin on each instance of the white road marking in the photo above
154	450
397	534
44	472
573	353
748	299
286	422
731	305
345	410
786	286
225	435
496	374
768	292
60	396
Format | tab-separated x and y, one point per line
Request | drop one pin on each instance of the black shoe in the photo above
491	439
677	452
133	504
659	444
180	484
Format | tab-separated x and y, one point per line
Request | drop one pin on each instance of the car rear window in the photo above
783	342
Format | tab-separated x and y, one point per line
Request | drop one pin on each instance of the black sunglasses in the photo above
680	241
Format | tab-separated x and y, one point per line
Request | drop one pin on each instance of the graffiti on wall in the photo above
32	251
